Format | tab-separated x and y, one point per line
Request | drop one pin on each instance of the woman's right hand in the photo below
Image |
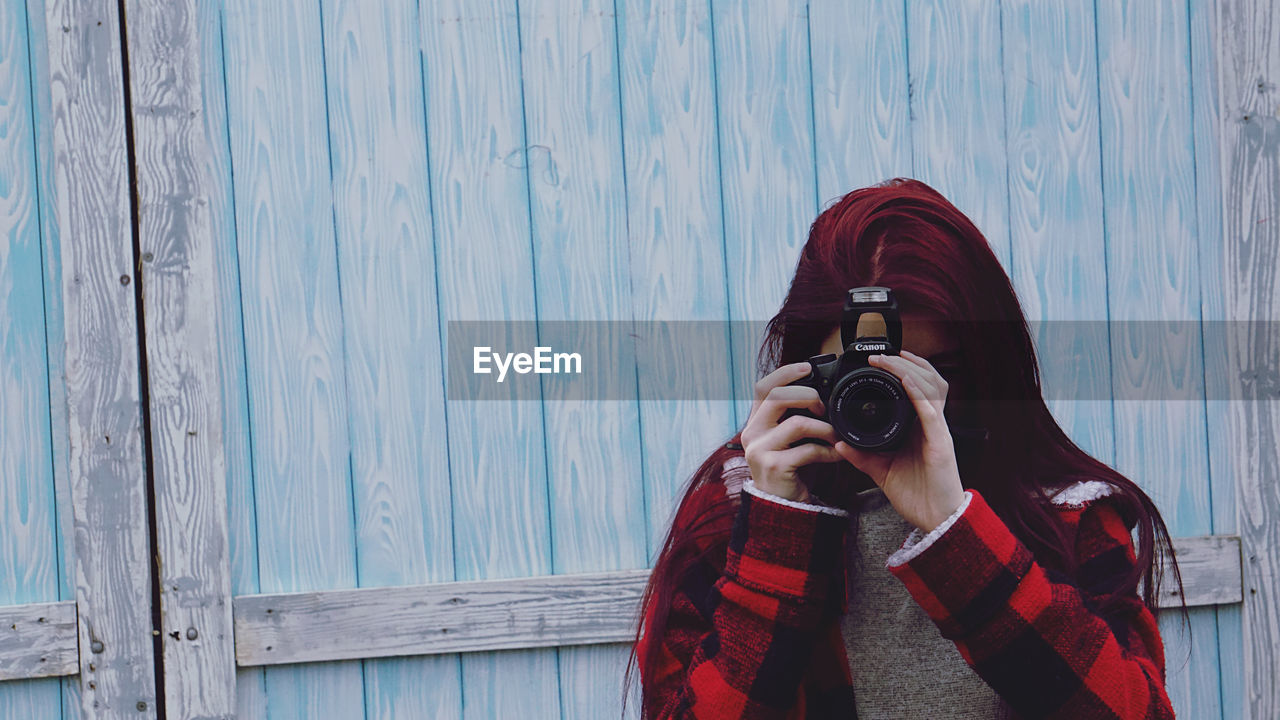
767	443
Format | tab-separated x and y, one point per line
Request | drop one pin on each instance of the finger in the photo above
875	465
904	368
785	397
796	428
782	376
931	419
806	454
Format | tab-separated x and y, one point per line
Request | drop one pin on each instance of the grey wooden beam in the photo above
37	640
1249	86
106	469
556	610
172	166
441	618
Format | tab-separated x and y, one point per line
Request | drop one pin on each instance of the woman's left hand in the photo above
922	479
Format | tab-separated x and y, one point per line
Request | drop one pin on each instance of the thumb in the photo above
875	465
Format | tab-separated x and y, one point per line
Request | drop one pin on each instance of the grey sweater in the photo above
902	667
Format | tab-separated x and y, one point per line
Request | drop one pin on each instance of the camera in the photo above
868	407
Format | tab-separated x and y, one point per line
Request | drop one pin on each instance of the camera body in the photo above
868	407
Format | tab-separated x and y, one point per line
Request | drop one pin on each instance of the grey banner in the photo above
689	360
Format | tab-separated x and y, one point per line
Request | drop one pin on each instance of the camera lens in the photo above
870	409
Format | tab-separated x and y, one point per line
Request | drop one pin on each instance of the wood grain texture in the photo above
1206	119
37	640
176	243
767	174
534	612
236	441
480	162
396	416
523	613
578	209
290	296
1057	261
106	464
957	109
674	232
1148	180
861	108
1249	75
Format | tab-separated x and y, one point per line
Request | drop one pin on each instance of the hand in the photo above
767	443
922	479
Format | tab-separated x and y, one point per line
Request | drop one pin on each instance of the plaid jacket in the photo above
761	638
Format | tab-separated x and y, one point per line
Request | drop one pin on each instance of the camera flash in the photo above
862	296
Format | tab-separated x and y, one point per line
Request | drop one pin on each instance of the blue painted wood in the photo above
861	107
479	179
767	173
29	557
1148	179
237	444
578	208
957	109
674	231
383	224
1057	260
1214	291
295	367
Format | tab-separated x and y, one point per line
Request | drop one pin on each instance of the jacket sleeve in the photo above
738	641
1034	635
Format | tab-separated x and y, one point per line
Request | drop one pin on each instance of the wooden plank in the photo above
675	233
292	319
236	441
957	109
176	246
578	209
767	176
1214	291
38	640
523	613
1054	160
480	163
1148	180
383	221
536	612
1249	76
861	103
106	466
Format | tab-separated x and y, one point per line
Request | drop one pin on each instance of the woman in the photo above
955	577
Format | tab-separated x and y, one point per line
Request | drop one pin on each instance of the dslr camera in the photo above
868	407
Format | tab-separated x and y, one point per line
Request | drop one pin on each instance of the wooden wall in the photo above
380	169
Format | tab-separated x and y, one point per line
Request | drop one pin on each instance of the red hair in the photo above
904	235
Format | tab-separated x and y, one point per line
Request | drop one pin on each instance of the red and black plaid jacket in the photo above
760	638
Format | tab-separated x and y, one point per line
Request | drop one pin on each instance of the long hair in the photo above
904	235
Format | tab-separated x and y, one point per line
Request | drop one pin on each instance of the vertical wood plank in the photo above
175	242
675	235
383	222
106	466
1149	189
1249	73
29	567
957	109
236	442
1214	291
767	174
1057	260
290	296
578	209
480	205
862	134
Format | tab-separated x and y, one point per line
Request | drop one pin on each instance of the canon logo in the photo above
870	346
